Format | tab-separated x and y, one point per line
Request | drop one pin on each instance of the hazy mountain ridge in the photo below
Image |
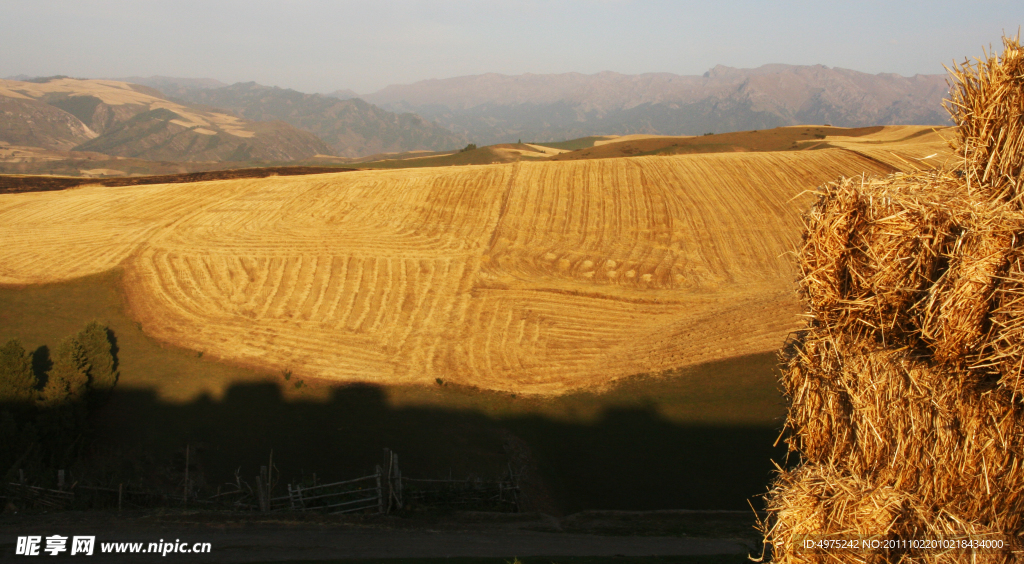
174	86
343	94
493	108
126	120
352	127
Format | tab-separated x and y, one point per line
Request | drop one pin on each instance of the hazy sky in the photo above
320	46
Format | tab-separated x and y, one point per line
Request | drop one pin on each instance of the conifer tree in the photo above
95	342
68	380
17	381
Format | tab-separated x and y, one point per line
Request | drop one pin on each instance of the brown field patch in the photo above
875	141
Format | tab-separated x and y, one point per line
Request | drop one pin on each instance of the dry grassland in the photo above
545	150
534	277
117	93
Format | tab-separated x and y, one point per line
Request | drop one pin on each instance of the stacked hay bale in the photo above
906	389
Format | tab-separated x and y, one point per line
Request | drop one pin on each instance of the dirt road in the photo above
238	539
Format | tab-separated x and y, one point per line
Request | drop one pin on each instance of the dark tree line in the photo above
45	399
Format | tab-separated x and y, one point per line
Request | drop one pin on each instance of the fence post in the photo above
387	479
261	494
380	491
188	449
270	479
513	486
398	481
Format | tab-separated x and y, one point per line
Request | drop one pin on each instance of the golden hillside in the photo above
115	93
131	121
532	277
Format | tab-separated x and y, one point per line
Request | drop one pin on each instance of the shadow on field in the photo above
695	438
627	458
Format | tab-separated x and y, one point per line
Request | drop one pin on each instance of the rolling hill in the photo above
923	145
528	277
914	141
28	122
494	108
125	120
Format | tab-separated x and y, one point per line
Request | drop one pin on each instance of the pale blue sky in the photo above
320	46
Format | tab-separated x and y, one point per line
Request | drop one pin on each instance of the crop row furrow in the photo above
310	307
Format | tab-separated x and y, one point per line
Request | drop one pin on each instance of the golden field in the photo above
532	277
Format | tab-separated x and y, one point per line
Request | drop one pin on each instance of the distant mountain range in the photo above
172	86
203	119
352	127
495	108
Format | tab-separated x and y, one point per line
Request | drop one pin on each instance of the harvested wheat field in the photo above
530	277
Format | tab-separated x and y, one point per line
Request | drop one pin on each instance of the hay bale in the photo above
864	410
872	248
954	319
820	411
987	102
827	228
906	390
1004	347
908	259
816	500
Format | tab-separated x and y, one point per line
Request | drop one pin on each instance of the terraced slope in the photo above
532	277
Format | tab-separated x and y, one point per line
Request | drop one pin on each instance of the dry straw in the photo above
986	102
872	247
907	400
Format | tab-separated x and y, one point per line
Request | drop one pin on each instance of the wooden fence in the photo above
351	496
40	497
382	492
